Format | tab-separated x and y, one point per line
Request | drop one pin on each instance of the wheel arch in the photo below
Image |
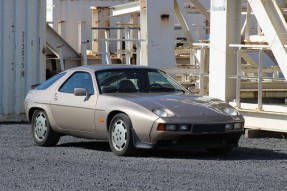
31	112
111	115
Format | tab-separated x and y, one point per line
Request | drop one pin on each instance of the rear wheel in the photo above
42	132
120	137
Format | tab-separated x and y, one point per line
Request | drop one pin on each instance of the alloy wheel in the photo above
119	135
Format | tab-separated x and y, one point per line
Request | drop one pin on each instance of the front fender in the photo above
142	119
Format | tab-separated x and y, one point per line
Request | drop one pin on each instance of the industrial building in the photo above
234	50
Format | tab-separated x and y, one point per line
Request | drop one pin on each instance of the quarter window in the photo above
49	82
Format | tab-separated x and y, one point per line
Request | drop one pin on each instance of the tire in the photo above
42	133
220	151
120	136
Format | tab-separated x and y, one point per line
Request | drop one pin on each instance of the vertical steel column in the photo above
201	71
127	46
106	49
260	69
104	53
81	25
133	33
138	45
238	79
84	53
157	28
224	30
247	27
61	28
192	59
276	73
119	43
62	65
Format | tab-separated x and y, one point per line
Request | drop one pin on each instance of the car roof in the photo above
110	66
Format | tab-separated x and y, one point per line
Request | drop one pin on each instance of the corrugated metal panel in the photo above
22	53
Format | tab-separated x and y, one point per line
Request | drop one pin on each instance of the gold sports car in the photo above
133	107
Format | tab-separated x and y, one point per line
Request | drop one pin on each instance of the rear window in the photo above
50	82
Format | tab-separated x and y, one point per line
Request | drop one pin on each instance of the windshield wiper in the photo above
163	89
180	91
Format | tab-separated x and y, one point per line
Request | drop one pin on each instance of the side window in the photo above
78	80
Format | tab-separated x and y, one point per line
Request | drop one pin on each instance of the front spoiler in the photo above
192	141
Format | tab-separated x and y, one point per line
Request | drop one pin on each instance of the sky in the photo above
49	16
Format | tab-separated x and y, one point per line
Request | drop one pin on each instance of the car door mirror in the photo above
81	92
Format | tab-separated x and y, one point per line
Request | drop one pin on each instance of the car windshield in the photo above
136	80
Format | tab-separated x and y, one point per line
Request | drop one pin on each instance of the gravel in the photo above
80	164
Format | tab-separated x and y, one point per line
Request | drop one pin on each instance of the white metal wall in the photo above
22	53
157	26
68	13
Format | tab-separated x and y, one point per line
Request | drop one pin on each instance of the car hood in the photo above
181	105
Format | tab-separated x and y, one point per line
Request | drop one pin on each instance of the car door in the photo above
75	112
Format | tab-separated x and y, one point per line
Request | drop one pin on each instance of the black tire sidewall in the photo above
129	147
51	138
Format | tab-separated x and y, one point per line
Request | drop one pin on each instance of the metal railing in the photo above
239	75
106	57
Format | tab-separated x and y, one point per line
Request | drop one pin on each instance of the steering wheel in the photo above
155	85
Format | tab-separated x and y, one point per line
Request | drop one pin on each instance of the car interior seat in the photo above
141	85
127	86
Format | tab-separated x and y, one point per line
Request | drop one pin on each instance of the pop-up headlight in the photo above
163	112
231	111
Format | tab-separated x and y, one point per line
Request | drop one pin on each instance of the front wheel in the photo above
120	137
42	132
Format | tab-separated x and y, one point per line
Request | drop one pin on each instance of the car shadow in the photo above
90	145
240	153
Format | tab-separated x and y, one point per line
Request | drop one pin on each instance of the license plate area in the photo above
210	128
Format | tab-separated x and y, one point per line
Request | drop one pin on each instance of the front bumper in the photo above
191	141
212	135
200	141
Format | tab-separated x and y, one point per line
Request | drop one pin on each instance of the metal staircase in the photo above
60	47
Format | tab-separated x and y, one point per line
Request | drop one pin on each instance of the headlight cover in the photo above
231	111
163	112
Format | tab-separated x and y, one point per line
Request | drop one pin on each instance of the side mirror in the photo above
81	92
